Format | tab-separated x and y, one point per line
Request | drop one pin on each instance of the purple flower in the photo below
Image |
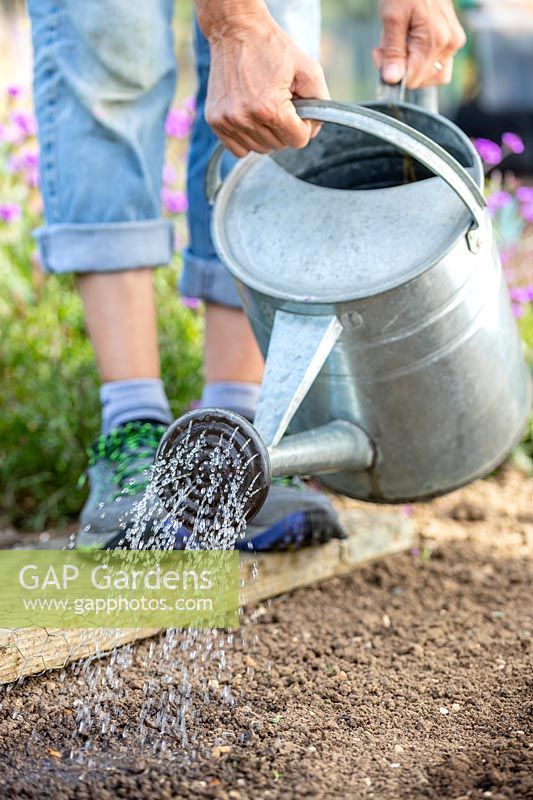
190	302
520	294
518	311
174	202
525	194
22	161
498	200
11	135
169	175
490	152
10	212
513	142
27	164
25	122
14	91
527	212
178	124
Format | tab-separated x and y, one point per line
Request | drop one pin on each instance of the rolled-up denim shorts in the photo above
104	79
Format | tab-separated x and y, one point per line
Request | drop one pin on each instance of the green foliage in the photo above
50	405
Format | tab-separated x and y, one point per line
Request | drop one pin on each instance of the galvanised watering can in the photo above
367	267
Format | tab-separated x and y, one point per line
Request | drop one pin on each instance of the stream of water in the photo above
183	669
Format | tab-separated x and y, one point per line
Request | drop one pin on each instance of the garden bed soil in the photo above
411	678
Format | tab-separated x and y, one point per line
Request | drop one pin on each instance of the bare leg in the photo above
231	352
121	319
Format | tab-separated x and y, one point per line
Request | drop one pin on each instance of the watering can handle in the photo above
394	93
393	131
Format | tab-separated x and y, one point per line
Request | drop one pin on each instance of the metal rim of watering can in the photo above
402	136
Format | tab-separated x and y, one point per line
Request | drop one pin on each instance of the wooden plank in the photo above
30	651
371	535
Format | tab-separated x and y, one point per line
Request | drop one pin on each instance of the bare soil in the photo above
411	678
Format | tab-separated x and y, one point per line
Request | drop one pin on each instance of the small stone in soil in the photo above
221	750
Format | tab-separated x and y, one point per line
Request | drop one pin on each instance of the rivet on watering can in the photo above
473	240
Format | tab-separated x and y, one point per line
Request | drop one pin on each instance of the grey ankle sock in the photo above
235	396
125	401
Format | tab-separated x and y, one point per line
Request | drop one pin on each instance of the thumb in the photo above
394	47
310	83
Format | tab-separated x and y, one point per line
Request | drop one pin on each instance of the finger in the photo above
429	48
310	83
393	50
241	134
228	136
421	62
447	73
294	131
253	144
313	127
238	141
271	139
439	77
438	71
261	132
232	145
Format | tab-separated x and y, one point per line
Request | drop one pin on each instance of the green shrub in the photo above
50	405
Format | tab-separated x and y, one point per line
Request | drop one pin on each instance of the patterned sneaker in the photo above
293	516
119	469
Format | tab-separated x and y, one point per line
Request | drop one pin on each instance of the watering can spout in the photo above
334	447
298	348
245	457
247	466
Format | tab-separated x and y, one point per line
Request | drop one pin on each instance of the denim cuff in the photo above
208	279
105	247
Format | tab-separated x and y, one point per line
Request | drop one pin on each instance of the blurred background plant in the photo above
49	410
510	203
